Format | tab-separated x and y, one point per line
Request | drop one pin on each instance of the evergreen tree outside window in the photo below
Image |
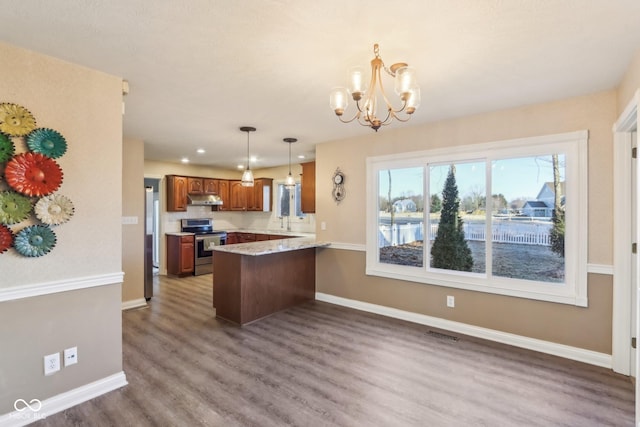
450	250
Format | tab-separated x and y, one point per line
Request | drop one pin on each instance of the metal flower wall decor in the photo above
29	206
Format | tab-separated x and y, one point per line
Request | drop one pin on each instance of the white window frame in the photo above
292	206
572	144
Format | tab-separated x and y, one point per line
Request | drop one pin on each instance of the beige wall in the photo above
341	273
30	328
154	169
133	205
630	83
85	107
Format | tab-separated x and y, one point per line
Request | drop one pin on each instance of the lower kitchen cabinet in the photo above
246	237
278	237
240	237
180	255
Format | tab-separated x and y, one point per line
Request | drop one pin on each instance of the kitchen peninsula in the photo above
254	280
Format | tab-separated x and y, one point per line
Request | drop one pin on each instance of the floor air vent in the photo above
443	336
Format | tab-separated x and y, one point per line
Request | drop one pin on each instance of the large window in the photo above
501	217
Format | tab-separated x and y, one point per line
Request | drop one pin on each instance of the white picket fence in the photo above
524	233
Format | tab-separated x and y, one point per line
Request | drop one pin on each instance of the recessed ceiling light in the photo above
301	156
185	160
254	159
240	166
200	151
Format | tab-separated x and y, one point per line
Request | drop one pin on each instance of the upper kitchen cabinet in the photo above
210	186
237	196
256	198
176	193
308	187
234	196
195	185
259	199
223	192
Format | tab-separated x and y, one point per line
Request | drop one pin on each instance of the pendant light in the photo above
247	175
289	182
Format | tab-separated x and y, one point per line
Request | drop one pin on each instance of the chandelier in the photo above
247	175
406	87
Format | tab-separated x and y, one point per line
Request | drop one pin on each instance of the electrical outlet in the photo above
51	363
323	225
70	356
451	301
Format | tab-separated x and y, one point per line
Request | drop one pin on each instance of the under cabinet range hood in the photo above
204	199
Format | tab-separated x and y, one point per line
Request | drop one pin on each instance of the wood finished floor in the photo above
324	365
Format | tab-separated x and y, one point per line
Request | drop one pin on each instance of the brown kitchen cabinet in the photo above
234	196
260	194
232	238
278	237
308	187
195	185
180	255
223	192
256	198
246	237
210	186
261	237
237	196
176	193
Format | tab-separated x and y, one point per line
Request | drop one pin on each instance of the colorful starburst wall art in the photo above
30	176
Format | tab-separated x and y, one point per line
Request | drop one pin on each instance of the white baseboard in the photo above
134	303
24	415
568	352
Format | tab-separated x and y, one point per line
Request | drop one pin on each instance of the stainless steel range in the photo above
206	238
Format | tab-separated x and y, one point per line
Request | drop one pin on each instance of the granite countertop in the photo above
180	233
267	247
270	232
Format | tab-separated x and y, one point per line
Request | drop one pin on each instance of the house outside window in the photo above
484	217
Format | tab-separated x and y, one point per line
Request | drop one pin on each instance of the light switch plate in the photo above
129	220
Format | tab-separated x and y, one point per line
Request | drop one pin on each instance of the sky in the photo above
514	178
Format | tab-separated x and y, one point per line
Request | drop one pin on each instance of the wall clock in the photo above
338	192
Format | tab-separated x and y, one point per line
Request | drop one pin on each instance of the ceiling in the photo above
200	69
